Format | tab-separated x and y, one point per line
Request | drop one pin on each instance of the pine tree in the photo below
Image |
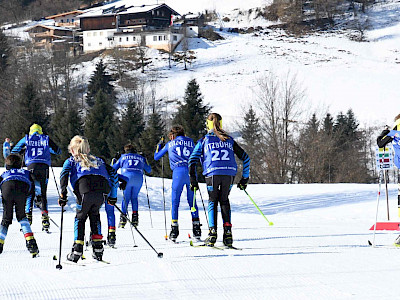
149	139
252	143
65	124
193	112
26	110
99	126
99	81
132	123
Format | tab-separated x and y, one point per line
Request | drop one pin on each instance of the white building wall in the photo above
95	40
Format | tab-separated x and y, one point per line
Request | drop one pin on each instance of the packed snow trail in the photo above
316	249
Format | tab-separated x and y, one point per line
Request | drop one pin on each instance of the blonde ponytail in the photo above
79	148
216	120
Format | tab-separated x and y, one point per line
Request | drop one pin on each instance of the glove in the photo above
243	183
62	201
193	183
112	201
122	185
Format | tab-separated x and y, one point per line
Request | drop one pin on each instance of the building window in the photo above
89	34
72	20
94	33
62	21
175	37
160	38
67	20
165	37
134	38
101	33
100	44
89	44
154	38
120	39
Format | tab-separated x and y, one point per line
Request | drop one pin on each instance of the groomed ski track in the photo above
317	249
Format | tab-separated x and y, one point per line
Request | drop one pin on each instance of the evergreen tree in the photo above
99	126
132	123
65	124
193	112
252	140
26	110
328	124
99	81
148	141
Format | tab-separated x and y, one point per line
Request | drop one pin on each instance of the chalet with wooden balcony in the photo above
67	19
45	36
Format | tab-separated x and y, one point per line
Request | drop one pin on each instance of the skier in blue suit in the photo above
179	149
217	152
38	149
93	182
132	166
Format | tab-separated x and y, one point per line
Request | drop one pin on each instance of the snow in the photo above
317	248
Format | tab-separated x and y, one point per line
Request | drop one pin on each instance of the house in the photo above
45	36
121	24
67	19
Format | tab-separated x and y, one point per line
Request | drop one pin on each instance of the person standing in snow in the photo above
38	148
93	182
132	166
16	187
216	152
7	147
179	149
385	138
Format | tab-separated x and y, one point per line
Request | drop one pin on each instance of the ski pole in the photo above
377	205
193	209
159	254
204	208
269	222
148	200
133	237
55	181
163	194
59	266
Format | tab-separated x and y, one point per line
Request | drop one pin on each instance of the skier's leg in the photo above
212	189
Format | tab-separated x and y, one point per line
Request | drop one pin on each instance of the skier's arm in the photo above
195	158
383	139
64	176
117	165
244	157
19	147
54	149
160	153
114	181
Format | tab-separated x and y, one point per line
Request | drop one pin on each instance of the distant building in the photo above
45	36
67	19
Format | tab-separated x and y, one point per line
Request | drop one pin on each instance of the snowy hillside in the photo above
316	249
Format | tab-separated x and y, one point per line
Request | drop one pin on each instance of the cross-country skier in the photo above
93	182
132	166
16	186
7	147
216	152
38	149
383	139
179	149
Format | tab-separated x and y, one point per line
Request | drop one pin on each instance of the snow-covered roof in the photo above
65	14
121	7
49	27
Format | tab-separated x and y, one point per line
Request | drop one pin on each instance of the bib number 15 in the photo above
219	155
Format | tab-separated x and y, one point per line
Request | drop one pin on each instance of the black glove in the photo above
243	183
62	201
112	201
193	183
122	185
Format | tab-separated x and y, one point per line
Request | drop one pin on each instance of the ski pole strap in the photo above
270	223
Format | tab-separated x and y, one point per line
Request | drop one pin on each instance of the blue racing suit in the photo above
179	151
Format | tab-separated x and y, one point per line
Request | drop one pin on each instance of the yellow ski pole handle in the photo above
193	209
269	222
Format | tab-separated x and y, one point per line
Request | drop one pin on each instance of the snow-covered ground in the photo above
316	249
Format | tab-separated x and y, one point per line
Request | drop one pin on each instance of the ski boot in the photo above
32	246
98	250
1	246
111	238
45	222
76	252
174	232
196	230
397	241
227	239
29	217
135	218
212	237
122	221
